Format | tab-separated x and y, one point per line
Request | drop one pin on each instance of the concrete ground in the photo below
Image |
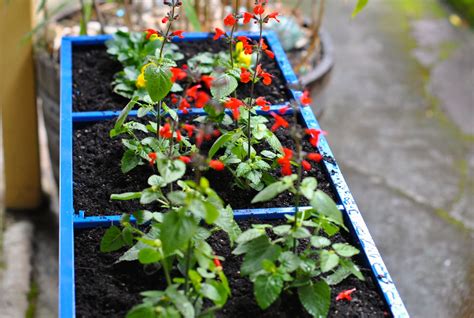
399	110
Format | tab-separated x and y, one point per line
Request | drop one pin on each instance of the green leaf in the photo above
171	170
345	249
249	235
149	195
320	241
148	255
271	191
353	268
338	276
359	6
219	143
223	85
328	260
146	310
176	230
124	113
281	230
274	142
323	204
308	186
268	154
301	232
155	180
181	302
158	82
316	298
127	235
129	161
112	240
267	289
258	250
289	261
126	196
227	223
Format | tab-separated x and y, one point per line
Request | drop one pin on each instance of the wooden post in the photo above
18	104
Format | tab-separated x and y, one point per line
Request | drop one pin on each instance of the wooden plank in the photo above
18	104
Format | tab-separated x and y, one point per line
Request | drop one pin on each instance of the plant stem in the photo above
252	88
164	263
158	119
186	274
298	190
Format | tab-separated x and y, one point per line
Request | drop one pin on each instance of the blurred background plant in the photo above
465	9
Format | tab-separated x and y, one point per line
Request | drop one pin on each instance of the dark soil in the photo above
106	289
97	175
94	70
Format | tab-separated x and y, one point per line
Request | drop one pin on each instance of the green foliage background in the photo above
464	8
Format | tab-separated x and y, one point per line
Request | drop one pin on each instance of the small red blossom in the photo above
345	294
165	131
174	99
234	104
178	74
245	75
316	157
305	98
165	20
273	15
185	159
193	91
313	136
201	99
284	109
219	33
216	165
179	137
262	102
178	33
216	133
306	165
207	80
270	54
279	122
184	105
189	129
267	77
152	156
285	162
259	9
217	262
150	32
247	17
246	44
230	20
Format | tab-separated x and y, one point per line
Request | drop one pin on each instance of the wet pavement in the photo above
399	110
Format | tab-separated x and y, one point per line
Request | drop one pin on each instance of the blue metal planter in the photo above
70	219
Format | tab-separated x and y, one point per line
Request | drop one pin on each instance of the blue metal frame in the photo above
70	221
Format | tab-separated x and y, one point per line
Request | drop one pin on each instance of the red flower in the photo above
165	131
219	33
284	109
273	15
279	122
216	133
345	294
184	105
216	165
150	32
245	75
217	262
234	104
189	129
178	33
178	135
305	98
178	74
207	80
316	157
202	99
185	159
174	98
270	54
192	91
313	136
164	20
267	77
247	17
262	102
230	20
259	9
306	165
152	156
285	162
245	42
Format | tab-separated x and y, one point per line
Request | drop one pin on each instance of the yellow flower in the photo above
242	57
141	83
155	37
